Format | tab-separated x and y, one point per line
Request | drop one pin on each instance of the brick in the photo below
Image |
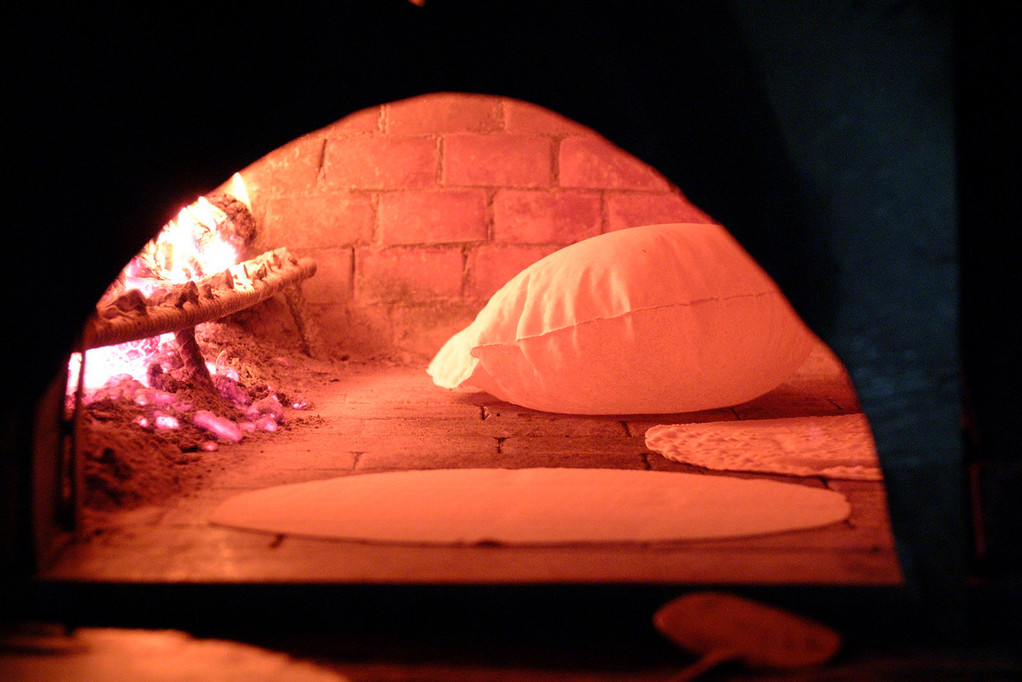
422	329
300	459
511	420
408	274
497	160
603	451
317	221
445	112
491	266
784	401
432	217
531	119
633	210
431	432
535	217
639	425
400	452
290	169
332	281
356	332
399	407
380	162
597	163
362	122
389	384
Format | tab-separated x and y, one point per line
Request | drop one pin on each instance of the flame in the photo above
190	246
124	361
239	190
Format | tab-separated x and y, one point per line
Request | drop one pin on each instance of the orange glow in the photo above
191	246
239	190
122	371
125	360
188	247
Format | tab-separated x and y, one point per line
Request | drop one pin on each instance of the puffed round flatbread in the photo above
532	506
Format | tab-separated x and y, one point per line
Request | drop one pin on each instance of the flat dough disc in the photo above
532	506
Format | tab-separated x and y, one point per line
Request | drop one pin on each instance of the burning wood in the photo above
154	378
239	225
132	315
140	444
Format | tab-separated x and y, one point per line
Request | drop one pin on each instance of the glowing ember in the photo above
187	275
141	372
202	240
199	242
131	359
220	426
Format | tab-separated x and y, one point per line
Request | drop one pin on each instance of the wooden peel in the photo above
722	628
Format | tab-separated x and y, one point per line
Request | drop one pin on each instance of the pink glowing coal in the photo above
200	242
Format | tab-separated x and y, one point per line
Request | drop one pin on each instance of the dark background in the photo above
852	147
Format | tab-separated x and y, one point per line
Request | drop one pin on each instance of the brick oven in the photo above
421	163
412	214
417	211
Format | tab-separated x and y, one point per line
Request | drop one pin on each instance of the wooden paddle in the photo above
722	628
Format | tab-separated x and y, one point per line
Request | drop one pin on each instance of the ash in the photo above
142	445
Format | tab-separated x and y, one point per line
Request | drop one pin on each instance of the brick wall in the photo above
417	211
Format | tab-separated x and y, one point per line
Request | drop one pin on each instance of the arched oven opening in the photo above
353	254
388	209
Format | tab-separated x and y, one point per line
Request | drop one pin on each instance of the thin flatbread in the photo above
531	506
838	447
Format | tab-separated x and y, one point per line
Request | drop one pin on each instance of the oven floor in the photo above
385	417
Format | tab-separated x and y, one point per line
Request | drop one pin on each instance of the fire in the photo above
199	242
186	248
192	272
131	359
239	190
